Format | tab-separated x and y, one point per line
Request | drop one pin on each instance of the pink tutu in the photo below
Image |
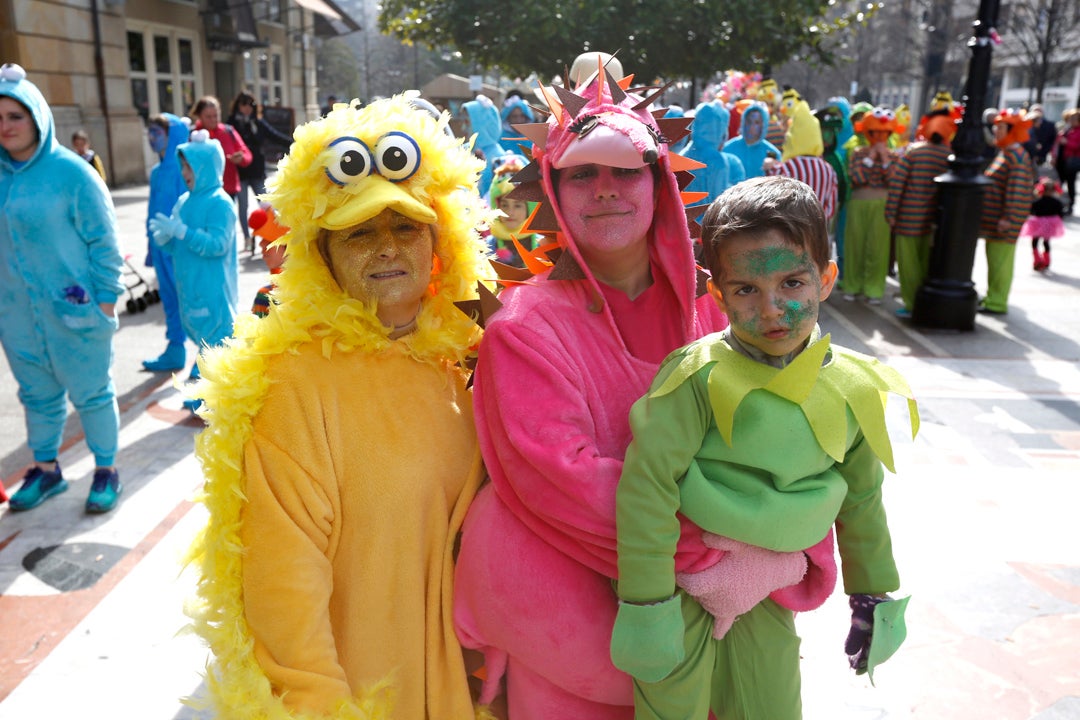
1049	226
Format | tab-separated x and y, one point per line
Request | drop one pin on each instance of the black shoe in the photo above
988	311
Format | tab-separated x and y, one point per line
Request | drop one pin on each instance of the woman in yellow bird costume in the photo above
339	453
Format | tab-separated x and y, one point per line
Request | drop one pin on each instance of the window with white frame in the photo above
162	66
264	74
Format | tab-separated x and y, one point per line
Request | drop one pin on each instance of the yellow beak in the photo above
377	195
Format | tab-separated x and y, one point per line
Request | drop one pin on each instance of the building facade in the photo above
106	66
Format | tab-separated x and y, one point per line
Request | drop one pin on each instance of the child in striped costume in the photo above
1005	206
911	208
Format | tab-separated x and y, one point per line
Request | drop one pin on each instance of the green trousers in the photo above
1000	263
866	248
752	673
912	265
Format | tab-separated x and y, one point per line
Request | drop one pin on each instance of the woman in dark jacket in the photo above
255	131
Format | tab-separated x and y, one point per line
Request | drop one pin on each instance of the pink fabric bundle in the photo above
747	574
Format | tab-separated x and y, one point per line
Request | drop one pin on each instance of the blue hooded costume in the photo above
166	187
59	260
201	236
709	131
486	125
511	138
753	155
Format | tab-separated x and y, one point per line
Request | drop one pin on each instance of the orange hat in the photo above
1018	123
880	119
940	122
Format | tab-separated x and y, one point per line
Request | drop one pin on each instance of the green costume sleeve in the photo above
862	532
667	432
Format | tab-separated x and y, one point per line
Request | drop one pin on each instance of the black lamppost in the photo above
947	299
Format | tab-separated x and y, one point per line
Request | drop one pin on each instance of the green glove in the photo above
647	641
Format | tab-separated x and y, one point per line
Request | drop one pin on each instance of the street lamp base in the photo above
946	305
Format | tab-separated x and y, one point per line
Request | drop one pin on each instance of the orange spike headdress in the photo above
1019	126
603	122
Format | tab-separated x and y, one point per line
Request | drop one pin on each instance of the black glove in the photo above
857	645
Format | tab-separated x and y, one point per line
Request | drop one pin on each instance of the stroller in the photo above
133	281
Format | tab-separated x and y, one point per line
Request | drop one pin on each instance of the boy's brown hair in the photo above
758	205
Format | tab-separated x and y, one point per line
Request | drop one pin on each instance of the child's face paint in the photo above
771	292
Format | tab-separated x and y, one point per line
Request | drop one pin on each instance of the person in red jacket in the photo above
206	114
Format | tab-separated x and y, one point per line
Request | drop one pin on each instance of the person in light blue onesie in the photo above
166	132
708	134
201	236
485	122
750	145
60	270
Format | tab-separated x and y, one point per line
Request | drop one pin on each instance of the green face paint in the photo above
763	261
796	313
772	293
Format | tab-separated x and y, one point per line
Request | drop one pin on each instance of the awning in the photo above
230	27
330	20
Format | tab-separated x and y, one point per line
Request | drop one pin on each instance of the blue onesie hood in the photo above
508	131
710	126
207	160
166	181
759	107
28	94
753	156
486	125
708	133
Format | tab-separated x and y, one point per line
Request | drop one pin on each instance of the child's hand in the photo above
647	640
857	645
164	228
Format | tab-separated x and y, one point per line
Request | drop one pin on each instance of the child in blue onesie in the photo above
765	437
200	234
59	281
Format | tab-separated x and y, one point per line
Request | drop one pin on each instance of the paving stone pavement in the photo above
983	512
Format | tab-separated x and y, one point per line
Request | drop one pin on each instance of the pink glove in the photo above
740	579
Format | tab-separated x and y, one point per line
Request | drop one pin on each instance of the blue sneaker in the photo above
37	487
173	358
104	491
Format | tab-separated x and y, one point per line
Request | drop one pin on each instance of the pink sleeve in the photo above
533	409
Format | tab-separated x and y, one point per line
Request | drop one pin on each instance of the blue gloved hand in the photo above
165	227
647	640
857	645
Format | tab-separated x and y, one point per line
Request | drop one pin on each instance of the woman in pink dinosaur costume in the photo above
560	365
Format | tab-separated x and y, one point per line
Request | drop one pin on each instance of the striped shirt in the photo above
865	173
775	132
816	173
1009	195
912	206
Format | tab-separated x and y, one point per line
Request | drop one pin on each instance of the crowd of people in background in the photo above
352	490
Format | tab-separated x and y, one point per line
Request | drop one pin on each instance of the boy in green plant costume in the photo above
765	437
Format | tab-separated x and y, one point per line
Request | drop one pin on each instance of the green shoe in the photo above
104	491
37	487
